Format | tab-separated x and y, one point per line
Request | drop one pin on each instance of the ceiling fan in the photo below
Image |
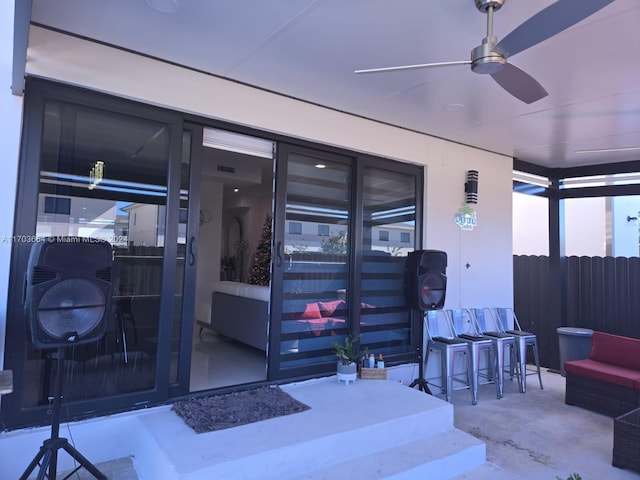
491	56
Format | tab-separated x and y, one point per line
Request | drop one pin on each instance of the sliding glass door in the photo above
222	275
312	263
344	227
227	194
389	213
99	169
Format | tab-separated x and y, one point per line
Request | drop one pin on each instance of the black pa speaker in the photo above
425	282
68	290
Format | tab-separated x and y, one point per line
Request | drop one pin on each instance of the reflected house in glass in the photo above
144	224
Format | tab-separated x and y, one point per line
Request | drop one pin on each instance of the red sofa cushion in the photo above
605	372
311	311
329	308
616	350
316	316
319	325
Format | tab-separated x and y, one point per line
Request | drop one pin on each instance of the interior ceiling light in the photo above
163	6
238	143
604	150
320	165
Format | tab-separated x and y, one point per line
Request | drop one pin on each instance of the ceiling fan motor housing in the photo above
484	5
485	61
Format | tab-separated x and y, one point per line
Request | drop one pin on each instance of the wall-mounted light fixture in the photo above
471	187
631	219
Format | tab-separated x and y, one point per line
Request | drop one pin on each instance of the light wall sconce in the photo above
631	219
471	187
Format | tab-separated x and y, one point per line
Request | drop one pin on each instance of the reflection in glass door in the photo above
112	186
343	231
314	258
388	234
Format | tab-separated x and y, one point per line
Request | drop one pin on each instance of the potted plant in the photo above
348	355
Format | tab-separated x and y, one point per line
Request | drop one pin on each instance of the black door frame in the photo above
38	91
187	313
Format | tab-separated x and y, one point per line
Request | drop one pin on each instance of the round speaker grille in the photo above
432	289
75	305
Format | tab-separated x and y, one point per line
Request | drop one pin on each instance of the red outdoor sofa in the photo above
608	381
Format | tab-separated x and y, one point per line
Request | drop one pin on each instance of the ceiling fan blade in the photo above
552	20
412	67
519	84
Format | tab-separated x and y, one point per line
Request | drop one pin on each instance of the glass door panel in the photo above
228	256
104	175
388	234
315	255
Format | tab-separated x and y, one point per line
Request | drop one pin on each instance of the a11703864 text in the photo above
60	239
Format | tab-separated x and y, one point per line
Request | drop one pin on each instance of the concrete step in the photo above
344	424
120	469
488	471
439	456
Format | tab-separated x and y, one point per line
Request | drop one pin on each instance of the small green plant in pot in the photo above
348	355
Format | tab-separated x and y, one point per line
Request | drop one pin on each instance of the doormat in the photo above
218	412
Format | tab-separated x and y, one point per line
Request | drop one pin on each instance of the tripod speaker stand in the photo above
420	382
425	289
47	457
67	302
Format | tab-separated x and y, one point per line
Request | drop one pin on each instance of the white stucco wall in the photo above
10	125
585	227
480	262
530	225
487	249
587	232
624	241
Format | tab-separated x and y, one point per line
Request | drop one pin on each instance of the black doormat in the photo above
217	412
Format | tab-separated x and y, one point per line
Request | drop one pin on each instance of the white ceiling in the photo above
308	49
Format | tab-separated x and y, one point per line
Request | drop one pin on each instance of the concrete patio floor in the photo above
536	436
528	436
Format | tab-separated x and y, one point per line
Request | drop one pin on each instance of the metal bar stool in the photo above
525	340
440	338
501	342
465	329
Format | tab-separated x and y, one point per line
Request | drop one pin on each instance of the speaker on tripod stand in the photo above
67	300
425	287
